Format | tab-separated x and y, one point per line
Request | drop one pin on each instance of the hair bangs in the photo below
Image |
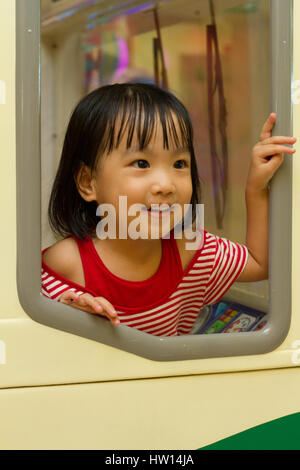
137	116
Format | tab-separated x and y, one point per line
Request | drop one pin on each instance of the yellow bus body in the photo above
61	391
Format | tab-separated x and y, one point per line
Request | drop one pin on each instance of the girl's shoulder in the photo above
64	258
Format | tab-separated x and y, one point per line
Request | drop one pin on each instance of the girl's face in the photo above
155	175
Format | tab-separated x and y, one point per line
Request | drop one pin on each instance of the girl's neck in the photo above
138	251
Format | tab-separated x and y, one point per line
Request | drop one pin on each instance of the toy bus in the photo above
70	380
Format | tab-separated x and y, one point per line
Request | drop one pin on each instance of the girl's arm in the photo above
257	235
267	156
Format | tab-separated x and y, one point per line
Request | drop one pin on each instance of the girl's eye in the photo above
141	163
180	164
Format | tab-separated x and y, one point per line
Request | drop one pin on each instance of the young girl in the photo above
136	141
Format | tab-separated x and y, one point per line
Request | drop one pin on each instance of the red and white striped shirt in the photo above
169	302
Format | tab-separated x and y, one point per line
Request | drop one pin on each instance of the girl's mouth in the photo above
159	213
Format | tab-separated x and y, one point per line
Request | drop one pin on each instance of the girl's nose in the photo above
163	186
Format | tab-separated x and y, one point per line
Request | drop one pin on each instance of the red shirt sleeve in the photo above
230	260
53	287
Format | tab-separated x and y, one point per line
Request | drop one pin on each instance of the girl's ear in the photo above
85	184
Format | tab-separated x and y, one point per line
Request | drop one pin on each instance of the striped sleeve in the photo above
53	287
230	261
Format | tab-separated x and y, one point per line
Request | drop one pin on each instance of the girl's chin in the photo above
158	229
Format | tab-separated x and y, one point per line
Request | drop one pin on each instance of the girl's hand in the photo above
90	304
267	156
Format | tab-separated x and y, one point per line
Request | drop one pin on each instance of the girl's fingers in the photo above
90	303
279	140
100	306
109	310
268	126
269	150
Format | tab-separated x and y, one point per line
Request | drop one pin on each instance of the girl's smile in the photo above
159	210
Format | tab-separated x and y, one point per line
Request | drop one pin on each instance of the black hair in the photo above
93	131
